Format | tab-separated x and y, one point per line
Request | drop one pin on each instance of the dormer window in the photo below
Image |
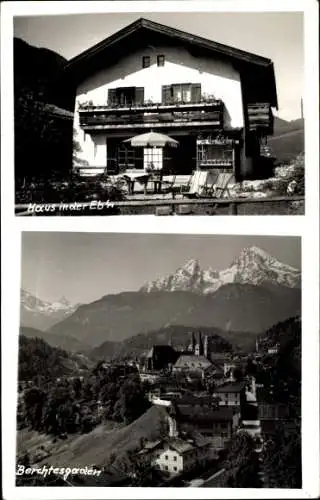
146	61
160	60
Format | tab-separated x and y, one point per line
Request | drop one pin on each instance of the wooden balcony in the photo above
152	115
260	118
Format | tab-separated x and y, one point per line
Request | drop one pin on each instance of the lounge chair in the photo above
201	184
221	187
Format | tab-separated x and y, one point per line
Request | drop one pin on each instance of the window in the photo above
160	60
126	157
153	158
146	61
125	96
175	468
181	92
166	467
166	457
175	458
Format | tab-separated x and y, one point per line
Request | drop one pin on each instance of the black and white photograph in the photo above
165	113
159	360
147	353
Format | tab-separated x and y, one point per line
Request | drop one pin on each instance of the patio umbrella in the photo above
152	139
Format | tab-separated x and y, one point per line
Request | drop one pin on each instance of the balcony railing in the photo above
161	119
160	115
147	106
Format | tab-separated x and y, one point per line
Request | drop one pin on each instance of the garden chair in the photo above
221	187
201	185
168	185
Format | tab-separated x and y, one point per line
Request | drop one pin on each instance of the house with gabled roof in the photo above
215	100
230	394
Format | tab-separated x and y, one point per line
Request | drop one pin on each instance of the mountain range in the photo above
41	314
254	266
255	292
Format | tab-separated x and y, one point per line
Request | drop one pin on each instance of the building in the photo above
230	394
214	422
191	363
250	421
178	455
271	414
215	100
160	357
178	452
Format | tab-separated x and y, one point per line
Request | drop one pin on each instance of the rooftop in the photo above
257	71
231	387
192	361
186	413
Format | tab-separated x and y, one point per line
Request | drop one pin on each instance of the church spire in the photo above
193	343
199	346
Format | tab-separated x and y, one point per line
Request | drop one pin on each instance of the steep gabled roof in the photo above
143	32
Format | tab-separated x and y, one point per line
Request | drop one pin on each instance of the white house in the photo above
215	100
177	452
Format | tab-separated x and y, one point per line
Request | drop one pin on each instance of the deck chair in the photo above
201	184
221	187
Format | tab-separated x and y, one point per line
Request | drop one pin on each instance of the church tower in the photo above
205	347
199	346
193	343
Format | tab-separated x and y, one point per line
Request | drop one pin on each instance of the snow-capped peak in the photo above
253	266
33	303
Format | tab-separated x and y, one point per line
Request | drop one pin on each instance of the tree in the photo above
76	153
34	400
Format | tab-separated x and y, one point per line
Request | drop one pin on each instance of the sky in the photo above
85	266
276	35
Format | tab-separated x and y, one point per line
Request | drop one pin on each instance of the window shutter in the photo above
166	94
196	92
139	95
112	96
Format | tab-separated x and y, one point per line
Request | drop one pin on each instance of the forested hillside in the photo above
43	127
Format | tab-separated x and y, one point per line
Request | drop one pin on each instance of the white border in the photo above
306	226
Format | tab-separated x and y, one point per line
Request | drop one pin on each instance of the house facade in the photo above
215	100
230	394
215	423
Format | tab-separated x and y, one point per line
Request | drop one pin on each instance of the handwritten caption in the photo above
68	207
65	472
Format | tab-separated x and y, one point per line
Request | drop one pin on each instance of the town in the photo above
174	416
